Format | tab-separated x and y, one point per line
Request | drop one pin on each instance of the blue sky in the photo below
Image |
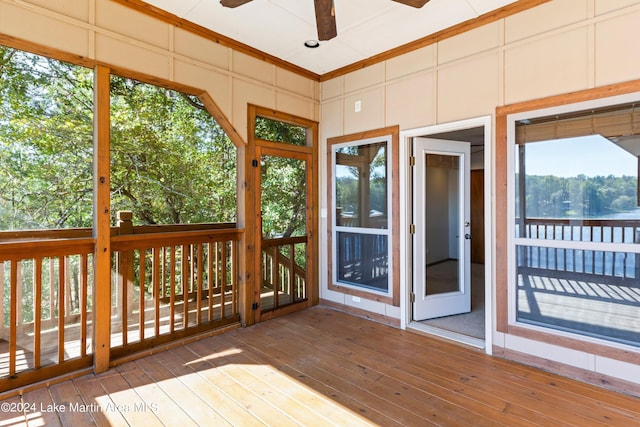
590	156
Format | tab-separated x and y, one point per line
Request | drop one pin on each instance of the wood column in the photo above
101	221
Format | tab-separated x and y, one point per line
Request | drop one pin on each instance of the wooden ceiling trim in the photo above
487	18
175	20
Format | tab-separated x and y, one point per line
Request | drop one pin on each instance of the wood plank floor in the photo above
321	367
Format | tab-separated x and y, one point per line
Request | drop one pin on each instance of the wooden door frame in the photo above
252	202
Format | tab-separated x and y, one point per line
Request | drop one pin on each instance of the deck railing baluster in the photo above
172	289
222	263
141	286
210	278
37	316
13	316
61	308
157	285
84	288
186	280
234	276
199	281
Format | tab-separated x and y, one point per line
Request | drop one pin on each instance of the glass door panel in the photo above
442	221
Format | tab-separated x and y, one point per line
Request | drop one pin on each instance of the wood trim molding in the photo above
463	27
182	23
487	18
574	344
164	16
590	377
394	131
83	61
358	312
254	148
502	249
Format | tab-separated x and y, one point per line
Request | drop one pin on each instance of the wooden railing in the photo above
607	263
45	305
284	279
167	282
170	282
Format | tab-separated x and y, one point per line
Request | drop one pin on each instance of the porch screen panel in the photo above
577	223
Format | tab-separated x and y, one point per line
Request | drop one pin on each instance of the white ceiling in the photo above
365	27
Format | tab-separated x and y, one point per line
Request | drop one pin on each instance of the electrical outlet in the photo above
355	299
358	106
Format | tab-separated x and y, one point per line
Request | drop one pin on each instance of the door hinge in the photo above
254	307
254	163
412	229
412	297
412	161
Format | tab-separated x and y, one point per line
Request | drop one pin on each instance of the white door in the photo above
442	246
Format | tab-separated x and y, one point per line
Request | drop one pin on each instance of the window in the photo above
279	131
576	221
361	196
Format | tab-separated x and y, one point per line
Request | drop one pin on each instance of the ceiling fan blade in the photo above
233	3
325	19
414	3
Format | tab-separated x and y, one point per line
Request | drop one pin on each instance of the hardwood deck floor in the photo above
321	367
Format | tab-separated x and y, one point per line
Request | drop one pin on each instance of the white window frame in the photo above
513	242
389	232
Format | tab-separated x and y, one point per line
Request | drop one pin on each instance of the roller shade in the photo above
619	121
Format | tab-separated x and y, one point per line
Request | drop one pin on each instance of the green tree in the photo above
283	182
46	134
170	161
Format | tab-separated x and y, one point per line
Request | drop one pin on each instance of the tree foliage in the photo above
170	161
283	182
46	134
580	196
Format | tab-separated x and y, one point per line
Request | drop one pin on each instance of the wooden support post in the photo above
248	218
101	221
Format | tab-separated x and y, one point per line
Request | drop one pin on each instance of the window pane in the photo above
277	131
442	220
583	189
587	292
361	186
363	260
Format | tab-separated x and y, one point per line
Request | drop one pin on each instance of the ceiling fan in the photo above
325	14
